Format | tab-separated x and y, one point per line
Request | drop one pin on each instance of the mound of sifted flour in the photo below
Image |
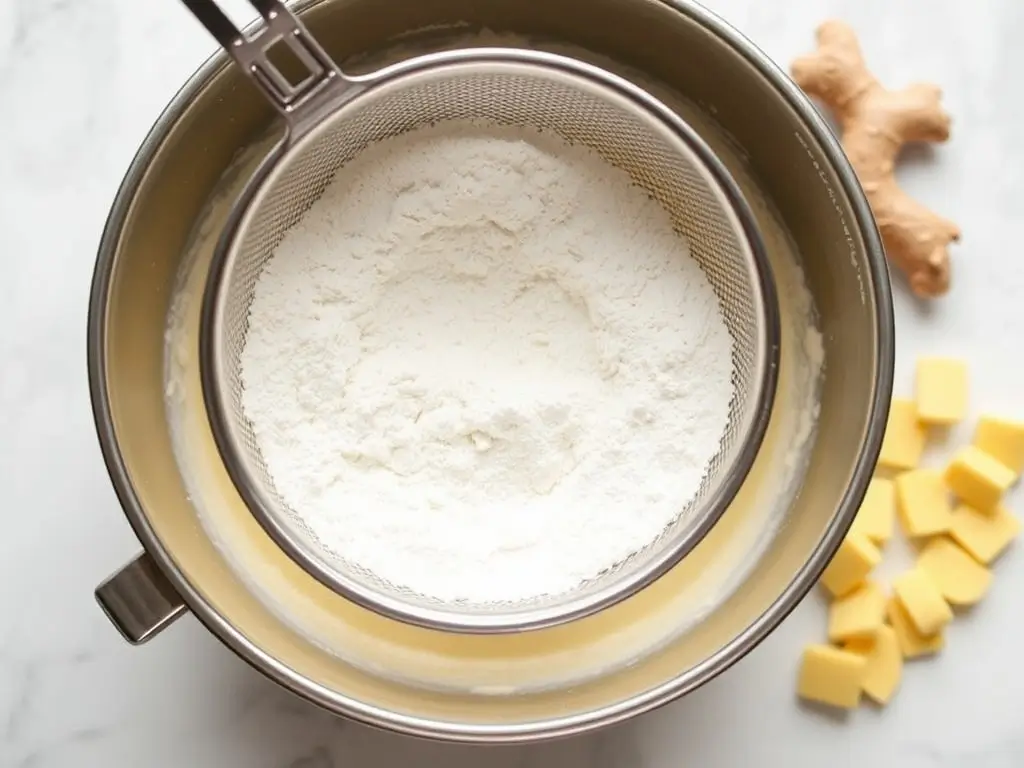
484	366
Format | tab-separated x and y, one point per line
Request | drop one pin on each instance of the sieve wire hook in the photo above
298	96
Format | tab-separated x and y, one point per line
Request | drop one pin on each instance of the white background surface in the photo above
80	83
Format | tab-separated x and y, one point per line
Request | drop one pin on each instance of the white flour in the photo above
484	366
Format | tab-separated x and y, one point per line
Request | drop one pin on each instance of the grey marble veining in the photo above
80	83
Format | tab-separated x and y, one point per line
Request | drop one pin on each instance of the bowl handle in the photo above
139	600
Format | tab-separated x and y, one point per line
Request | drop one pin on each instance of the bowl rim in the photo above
531	731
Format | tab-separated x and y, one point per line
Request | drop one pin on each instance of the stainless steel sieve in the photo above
330	117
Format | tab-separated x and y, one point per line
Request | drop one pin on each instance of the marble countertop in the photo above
81	83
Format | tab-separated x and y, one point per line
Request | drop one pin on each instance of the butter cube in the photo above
859	614
941	390
984	535
1002	439
924	504
928	610
884	663
904	438
877	512
978	479
959	577
852	563
912	643
831	676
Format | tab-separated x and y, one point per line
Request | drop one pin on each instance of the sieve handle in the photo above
311	77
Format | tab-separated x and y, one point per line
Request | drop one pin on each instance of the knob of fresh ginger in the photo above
875	124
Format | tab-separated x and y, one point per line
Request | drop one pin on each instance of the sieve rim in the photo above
571	608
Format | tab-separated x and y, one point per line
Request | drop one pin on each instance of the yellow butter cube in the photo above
859	614
884	663
904	438
959	577
941	390
924	604
984	535
877	512
924	504
978	479
831	676
1002	439
851	564
912	643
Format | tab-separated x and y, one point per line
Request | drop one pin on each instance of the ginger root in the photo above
875	124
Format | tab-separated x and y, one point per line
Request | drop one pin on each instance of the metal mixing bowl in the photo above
801	171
